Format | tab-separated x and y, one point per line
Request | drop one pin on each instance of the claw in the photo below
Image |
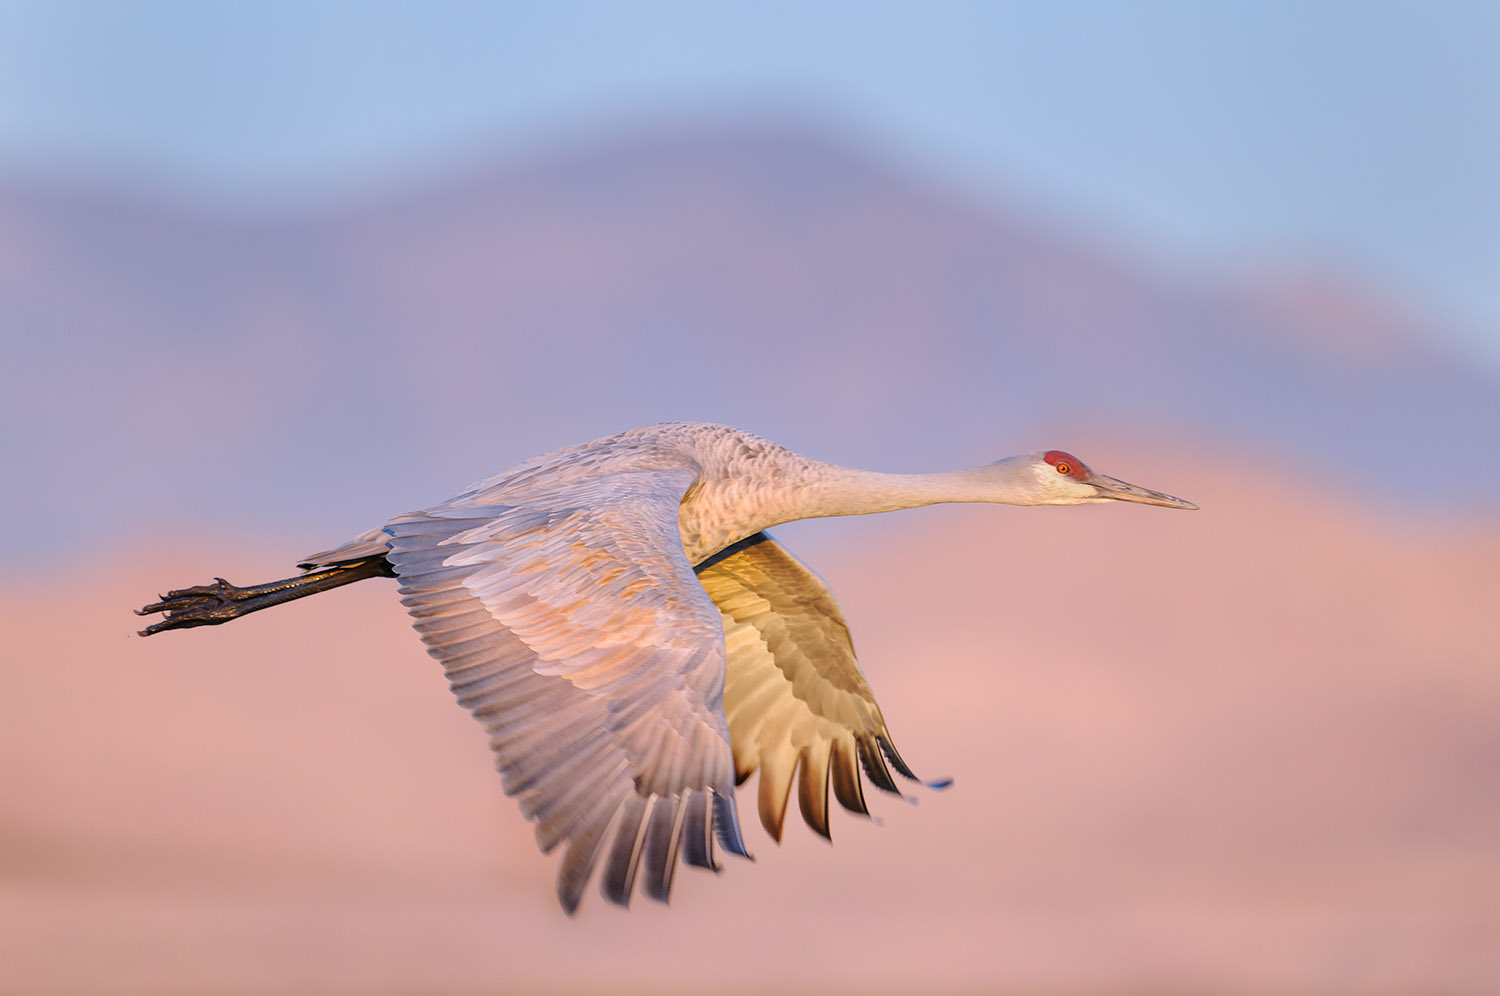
200	605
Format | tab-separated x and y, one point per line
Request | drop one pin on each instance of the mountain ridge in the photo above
196	367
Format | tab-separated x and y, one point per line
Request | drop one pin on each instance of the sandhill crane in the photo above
635	644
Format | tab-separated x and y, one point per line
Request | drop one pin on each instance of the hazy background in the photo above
270	275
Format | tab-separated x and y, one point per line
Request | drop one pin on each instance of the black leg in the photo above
211	604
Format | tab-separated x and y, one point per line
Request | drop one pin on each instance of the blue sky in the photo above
1366	135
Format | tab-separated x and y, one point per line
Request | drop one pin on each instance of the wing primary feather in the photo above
697	837
663	832
583	852
727	825
812	789
888	748
844	767
618	879
874	765
776	772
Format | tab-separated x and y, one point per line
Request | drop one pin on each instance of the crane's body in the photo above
635	644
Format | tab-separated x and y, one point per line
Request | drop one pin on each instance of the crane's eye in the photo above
1065	468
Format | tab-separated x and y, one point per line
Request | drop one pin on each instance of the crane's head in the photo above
1062	479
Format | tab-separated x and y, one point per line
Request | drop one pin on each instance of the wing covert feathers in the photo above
794	696
570	624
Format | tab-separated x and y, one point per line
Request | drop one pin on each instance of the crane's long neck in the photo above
832	490
762	493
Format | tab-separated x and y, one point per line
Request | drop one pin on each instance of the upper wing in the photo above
793	694
569	621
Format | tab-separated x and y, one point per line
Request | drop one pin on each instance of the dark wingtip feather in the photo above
888	748
697	838
844	770
874	765
659	857
582	854
570	892
727	826
624	855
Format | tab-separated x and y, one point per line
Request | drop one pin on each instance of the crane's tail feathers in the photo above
372	544
211	604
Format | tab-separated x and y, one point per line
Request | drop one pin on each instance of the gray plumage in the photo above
634	644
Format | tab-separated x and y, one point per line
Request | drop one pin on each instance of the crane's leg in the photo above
211	604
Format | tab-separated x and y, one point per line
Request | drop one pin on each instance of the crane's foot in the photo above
211	604
203	605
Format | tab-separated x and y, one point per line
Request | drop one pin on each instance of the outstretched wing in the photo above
570	623
793	694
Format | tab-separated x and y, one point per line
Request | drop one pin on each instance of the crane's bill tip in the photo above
1118	490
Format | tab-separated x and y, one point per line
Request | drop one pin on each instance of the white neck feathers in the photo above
832	490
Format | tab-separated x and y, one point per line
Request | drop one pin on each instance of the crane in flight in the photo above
635	644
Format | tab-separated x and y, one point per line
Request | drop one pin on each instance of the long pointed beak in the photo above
1109	487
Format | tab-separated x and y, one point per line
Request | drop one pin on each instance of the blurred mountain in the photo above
174	363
